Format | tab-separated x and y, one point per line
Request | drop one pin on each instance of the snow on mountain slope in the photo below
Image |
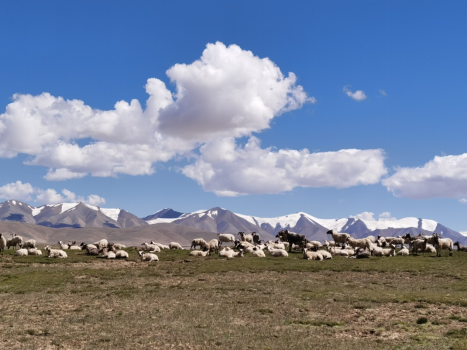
111	213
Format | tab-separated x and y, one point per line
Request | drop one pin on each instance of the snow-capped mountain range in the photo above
217	219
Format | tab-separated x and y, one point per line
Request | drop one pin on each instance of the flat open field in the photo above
245	303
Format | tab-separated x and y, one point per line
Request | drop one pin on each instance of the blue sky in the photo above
385	78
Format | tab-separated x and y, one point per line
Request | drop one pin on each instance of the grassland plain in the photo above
184	302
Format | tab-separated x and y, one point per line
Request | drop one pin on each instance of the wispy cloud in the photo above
382	92
463	200
358	95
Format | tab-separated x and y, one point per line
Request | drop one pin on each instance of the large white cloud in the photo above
230	170
444	176
228	92
25	191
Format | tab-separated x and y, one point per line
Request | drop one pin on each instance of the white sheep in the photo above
245	237
150	247
363	243
385	251
102	243
229	253
442	243
34	251
212	246
198	242
404	251
30	243
175	245
149	257
55	253
74	247
259	253
22	252
122	246
225	237
121	254
63	245
161	246
338	252
326	255
338	237
277	252
2	243
311	255
199	253
111	255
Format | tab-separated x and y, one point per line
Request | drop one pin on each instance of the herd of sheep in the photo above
342	244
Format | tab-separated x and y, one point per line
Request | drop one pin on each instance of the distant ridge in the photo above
216	220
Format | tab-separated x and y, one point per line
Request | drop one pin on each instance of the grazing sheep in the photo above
22	252
212	246
30	243
149	257
34	251
404	251
418	245
442	244
150	247
311	255
55	253
460	247
245	237
292	238
121	254
14	241
225	237
338	237
199	253
175	245
2	243
359	243
277	252
198	242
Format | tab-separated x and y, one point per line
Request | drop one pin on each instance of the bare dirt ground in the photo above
198	303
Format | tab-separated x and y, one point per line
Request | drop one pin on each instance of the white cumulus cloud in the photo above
230	170
27	192
358	95
444	176
386	216
366	215
17	190
228	92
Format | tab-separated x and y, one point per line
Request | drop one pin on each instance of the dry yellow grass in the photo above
198	303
